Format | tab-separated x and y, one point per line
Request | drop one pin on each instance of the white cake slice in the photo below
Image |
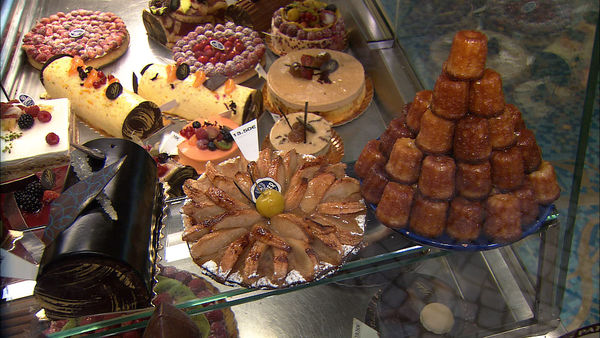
30	153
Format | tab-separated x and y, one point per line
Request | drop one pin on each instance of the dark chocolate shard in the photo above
72	201
48	179
153	28
214	82
134	81
253	107
169	321
177	178
145	68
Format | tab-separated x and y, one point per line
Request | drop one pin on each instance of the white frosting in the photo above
32	143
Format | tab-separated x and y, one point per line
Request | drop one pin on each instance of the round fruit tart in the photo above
207	140
98	38
281	220
307	24
227	50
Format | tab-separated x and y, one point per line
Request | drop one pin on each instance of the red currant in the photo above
52	139
44	116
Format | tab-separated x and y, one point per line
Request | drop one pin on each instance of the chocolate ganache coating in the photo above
99	264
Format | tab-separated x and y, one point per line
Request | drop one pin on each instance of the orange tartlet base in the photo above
190	154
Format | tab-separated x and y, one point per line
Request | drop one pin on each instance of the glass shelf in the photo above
385	252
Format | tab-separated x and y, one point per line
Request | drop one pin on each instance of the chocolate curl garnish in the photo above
305	117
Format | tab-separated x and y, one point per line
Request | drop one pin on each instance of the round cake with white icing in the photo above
289	134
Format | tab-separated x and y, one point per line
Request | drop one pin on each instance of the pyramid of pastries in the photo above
459	160
320	220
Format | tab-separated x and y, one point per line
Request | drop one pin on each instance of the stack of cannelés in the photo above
459	160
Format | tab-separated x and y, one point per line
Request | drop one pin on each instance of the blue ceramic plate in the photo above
480	244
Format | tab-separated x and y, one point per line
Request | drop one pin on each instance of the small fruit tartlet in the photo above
207	140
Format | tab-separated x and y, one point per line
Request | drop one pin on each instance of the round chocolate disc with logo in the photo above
263	184
217	44
26	100
77	33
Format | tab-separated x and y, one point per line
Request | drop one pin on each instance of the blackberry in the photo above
162	157
25	121
212	146
196	124
29	199
227	137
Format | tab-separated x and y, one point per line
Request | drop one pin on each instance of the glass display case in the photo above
546	53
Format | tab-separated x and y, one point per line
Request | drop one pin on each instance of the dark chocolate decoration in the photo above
47	179
330	66
174	5
169	321
153	27
49	61
98	265
143	121
214	82
154	77
182	72
178	177
145	68
134	81
253	107
65	209
82	73
114	90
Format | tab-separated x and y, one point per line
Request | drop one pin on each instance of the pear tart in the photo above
304	234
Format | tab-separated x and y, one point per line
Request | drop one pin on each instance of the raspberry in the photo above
25	121
161	170
44	116
50	195
32	110
162	158
52	139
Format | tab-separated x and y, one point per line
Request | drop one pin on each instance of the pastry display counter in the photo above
495	292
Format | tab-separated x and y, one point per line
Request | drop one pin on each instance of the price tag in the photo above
26	100
362	330
246	137
260	71
170	142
